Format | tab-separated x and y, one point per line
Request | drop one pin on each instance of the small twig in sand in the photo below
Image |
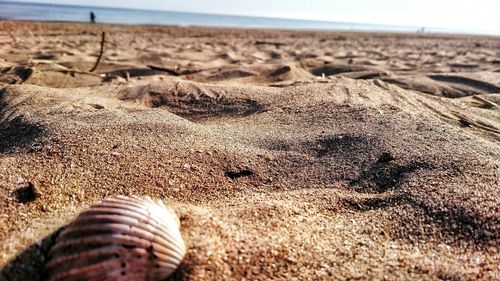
127	76
100	54
486	103
169	71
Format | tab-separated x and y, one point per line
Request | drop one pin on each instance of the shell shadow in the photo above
185	269
28	265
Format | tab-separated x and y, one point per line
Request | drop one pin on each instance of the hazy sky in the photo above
480	15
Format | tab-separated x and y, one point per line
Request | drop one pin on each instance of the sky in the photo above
477	15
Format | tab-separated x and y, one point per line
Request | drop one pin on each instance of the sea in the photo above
71	13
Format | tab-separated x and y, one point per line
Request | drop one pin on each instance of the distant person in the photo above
92	17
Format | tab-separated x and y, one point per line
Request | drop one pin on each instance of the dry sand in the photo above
287	155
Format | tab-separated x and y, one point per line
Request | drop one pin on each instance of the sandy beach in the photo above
288	155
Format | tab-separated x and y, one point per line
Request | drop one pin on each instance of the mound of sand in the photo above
190	100
288	72
276	175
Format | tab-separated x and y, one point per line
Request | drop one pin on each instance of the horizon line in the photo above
429	29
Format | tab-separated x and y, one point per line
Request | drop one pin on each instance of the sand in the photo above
287	155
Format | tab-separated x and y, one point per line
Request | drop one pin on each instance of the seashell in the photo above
123	238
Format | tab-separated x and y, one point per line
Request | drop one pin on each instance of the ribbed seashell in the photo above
123	238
